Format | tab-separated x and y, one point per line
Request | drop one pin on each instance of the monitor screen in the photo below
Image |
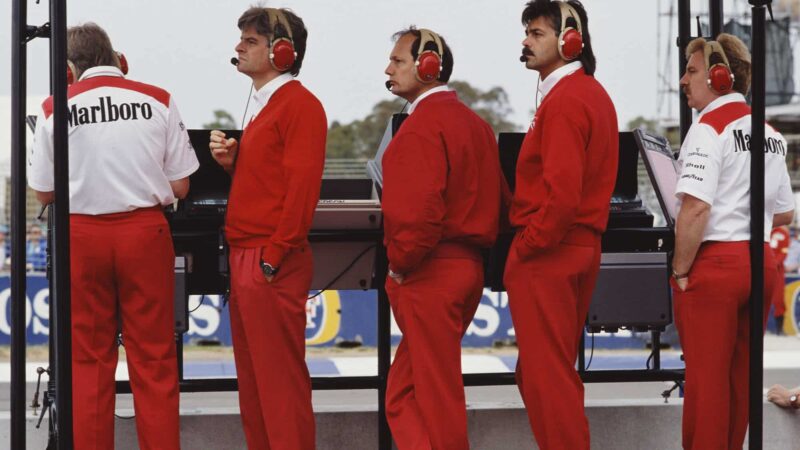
662	168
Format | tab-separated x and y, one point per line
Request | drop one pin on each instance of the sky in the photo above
185	46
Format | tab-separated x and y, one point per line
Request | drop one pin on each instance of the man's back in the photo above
455	151
126	143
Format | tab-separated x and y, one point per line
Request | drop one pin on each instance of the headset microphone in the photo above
523	58
235	61
388	85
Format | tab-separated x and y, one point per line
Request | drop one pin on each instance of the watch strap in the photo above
267	269
679	276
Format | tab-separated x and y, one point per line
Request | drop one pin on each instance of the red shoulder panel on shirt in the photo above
719	118
88	84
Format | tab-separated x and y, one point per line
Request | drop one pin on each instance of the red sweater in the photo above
276	183
567	166
441	182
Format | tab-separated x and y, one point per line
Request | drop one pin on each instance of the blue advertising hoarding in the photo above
331	317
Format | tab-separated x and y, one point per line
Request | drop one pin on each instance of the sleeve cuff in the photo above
528	245
525	251
698	195
273	254
185	173
40	187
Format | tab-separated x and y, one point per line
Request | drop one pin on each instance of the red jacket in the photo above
441	182
567	166
278	174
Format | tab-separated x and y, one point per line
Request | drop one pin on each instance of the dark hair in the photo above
88	46
258	19
447	57
550	9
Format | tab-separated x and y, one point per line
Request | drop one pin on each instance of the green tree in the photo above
652	125
341	139
642	122
491	105
223	120
361	138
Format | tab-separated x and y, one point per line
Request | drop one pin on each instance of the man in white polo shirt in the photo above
129	155
711	266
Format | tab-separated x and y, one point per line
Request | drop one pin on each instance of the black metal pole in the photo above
715	17
757	225
684	35
656	340
61	323
19	21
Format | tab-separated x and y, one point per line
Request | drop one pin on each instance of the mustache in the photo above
525	54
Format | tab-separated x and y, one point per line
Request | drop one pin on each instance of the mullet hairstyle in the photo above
550	9
738	57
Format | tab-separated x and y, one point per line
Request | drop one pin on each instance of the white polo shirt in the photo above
715	168
126	143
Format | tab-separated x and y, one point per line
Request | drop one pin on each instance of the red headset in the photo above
720	77
428	65
72	70
570	41
281	48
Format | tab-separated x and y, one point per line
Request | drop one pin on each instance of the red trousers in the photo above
268	323
549	297
425	404
123	264
713	320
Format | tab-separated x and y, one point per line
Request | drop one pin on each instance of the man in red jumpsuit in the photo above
129	154
565	176
277	172
441	201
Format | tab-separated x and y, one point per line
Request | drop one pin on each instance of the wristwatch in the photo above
793	401
267	268
679	276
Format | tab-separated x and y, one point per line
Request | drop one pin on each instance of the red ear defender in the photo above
570	44
428	66
282	54
123	63
570	41
281	47
720	78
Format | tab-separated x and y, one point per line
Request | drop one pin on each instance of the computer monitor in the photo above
210	179
663	170
625	187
